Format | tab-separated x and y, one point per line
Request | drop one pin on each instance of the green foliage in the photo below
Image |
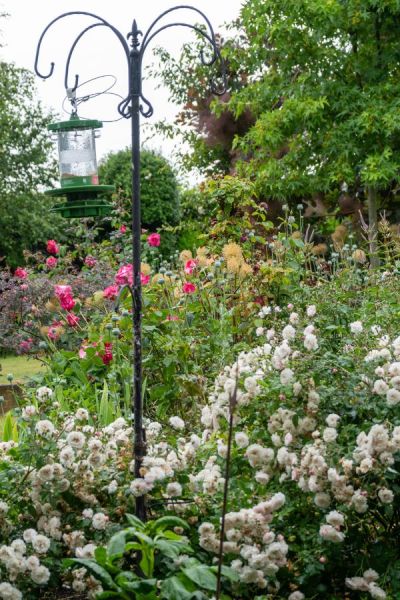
159	188
320	82
25	220
163	560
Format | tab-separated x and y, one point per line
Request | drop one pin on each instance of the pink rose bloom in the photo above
124	275
110	292
154	239
23	286
53	332
122	229
67	303
20	273
72	319
90	261
144	279
62	290
188	287
51	262
26	345
190	266
52	247
82	353
108	355
172	318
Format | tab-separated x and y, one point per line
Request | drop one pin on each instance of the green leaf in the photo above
227	572
202	576
116	545
174	589
135	522
8	428
98	571
168	523
100	555
141	586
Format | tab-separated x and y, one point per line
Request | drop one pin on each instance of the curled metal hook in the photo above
146	113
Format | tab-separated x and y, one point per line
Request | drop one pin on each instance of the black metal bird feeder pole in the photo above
134	105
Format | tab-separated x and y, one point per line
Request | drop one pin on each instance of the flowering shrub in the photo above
313	492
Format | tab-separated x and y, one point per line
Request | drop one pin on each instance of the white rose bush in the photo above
313	503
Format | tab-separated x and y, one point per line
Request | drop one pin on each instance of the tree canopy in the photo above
319	83
159	187
26	166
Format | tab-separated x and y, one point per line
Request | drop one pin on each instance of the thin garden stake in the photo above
232	405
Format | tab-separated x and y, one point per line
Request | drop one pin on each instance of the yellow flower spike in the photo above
359	256
98	298
233	264
145	268
245	270
232	251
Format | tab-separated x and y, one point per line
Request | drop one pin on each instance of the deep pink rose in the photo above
124	275
72	319
172	318
190	266
23	286
188	287
108	355
51	262
154	239
20	273
52	247
144	279
110	292
122	229
67	302
90	261
54	332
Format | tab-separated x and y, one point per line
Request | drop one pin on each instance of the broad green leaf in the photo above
227	572
202	576
116	545
173	589
98	571
168	523
135	522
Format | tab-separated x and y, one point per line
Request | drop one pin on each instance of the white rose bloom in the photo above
392	397
386	496
241	439
322	499
330	534
112	487
40	575
262	478
76	439
310	342
28	412
177	423
174	489
45	428
260	331
99	521
41	543
82	414
29	535
139	487
380	387
329	434
294	318
288	332
9	592
85	552
332	420
287	375
311	310
296	596
4	508
43	393
356	327
335	518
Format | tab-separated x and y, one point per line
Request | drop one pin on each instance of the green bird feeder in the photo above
79	178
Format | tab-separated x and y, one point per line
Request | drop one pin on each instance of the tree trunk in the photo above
373	227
